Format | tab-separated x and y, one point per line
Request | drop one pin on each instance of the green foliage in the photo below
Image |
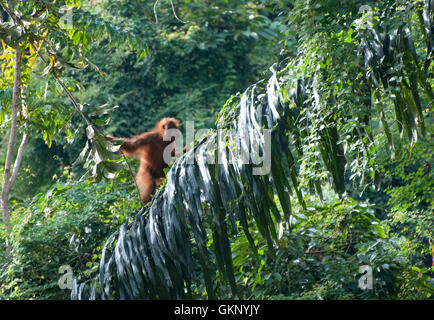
314	101
349	108
60	227
320	258
412	215
191	68
340	106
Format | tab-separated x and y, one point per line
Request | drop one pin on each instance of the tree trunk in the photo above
8	179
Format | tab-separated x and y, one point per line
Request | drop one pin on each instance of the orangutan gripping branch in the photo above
149	148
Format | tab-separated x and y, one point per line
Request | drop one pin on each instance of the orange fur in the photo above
149	148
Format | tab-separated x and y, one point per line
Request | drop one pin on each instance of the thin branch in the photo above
148	16
9	260
10	10
64	87
155	11
174	12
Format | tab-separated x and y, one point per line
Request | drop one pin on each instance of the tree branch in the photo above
148	16
22	146
155	11
14	110
76	105
19	158
174	12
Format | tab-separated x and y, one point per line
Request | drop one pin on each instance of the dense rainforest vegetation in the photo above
336	95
